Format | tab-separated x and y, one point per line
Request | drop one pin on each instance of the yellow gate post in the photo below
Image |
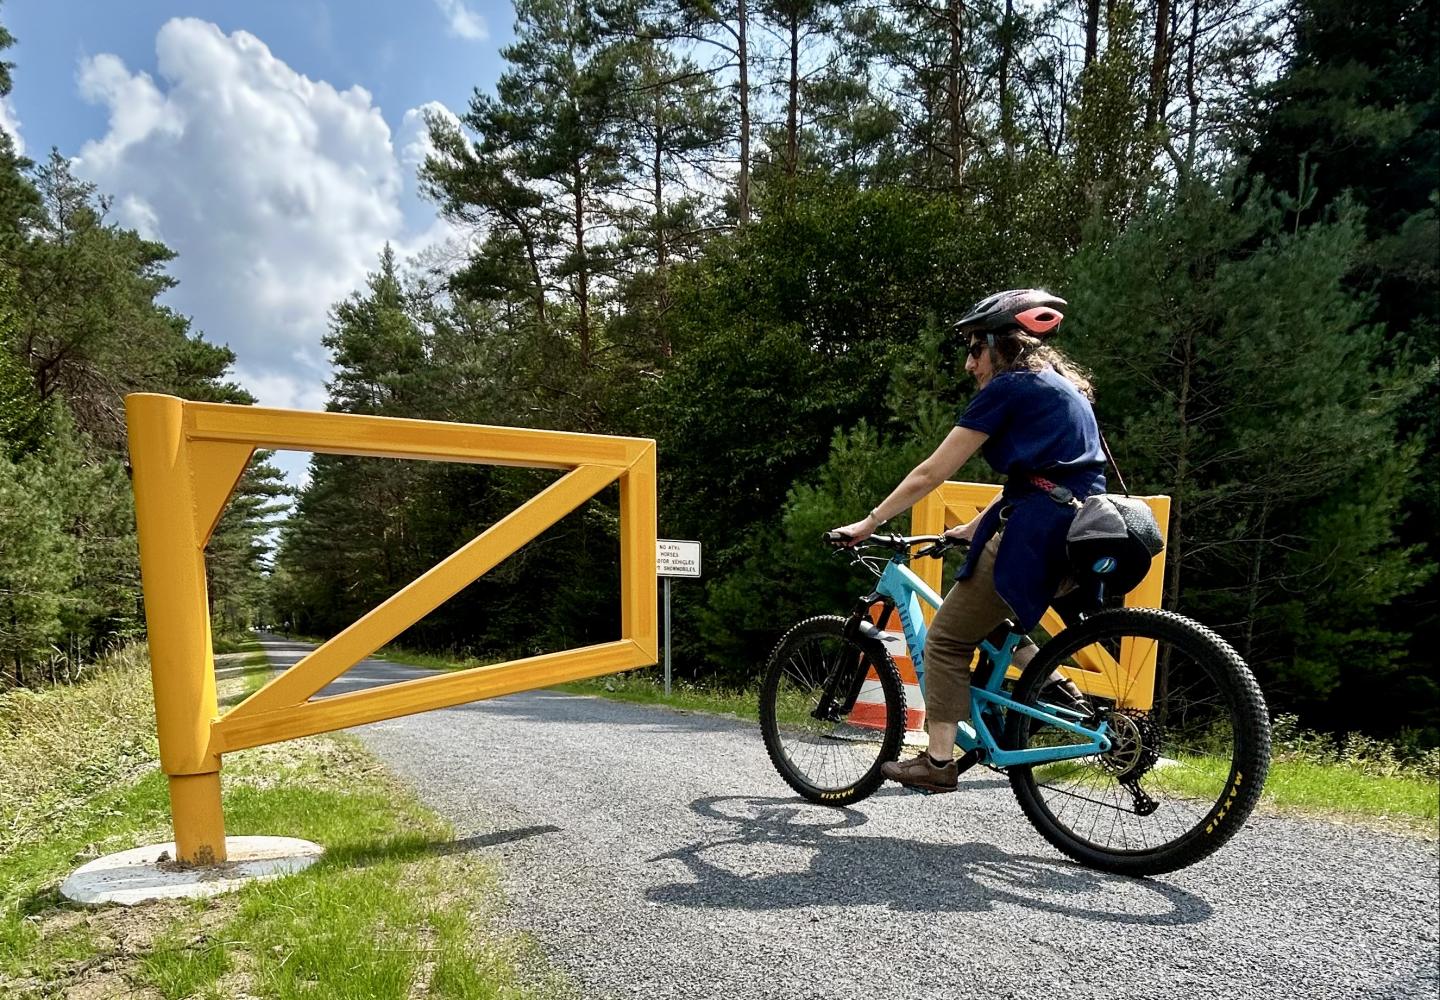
177	620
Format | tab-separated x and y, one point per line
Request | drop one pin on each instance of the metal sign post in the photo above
674	558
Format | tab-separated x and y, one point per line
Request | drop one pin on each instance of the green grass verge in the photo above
247	643
1325	787
1293	785
390	911
642	688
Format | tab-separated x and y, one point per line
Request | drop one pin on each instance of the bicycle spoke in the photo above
834	753
1169	766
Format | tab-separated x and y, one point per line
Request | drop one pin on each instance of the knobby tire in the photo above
1249	756
827	631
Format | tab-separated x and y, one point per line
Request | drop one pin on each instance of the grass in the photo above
642	687
246	643
1293	785
389	911
1309	786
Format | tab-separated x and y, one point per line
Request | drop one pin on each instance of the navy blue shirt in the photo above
1038	423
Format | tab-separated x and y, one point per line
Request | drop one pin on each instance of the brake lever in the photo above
937	550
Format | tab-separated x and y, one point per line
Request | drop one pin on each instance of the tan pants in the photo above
969	613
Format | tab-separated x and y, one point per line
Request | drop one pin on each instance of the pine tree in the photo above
545	160
1238	374
238	553
1356	114
38	560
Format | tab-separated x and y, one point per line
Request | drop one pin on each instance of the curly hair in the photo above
1014	350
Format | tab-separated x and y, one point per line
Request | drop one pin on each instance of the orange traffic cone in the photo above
869	711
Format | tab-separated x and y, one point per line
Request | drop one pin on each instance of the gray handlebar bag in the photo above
1112	542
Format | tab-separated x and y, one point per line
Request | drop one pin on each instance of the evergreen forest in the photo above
744	228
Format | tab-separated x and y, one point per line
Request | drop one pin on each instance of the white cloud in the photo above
271	388
462	21
277	192
138	214
10	123
414	133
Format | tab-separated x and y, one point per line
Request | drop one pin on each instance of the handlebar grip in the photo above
835	538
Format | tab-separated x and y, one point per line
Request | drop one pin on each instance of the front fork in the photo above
843	684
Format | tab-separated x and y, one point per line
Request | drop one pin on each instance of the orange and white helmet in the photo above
1033	310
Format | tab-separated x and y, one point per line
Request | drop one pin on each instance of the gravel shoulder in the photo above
655	853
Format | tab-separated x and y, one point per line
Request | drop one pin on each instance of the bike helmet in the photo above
1033	310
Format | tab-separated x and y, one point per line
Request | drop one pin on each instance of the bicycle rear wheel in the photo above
826	747
1182	775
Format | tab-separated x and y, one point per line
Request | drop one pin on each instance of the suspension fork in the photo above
843	684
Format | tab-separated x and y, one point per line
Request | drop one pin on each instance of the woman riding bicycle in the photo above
1031	418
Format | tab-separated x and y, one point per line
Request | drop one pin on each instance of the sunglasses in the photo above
977	348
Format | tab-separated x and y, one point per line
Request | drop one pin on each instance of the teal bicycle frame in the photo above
901	587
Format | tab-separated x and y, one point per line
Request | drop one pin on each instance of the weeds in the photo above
60	745
1364	754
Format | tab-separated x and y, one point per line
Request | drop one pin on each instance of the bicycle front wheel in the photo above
826	746
1182	774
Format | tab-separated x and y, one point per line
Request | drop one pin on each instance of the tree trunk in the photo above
955	110
931	137
659	189
1253	603
792	114
1192	93
535	275
1092	32
1158	65
743	194
1007	50
1175	543
661	258
582	271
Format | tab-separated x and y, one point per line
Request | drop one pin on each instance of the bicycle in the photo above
1155	769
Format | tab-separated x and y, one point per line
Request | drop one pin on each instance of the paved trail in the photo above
657	854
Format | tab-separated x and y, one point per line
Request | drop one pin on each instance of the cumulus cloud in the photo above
462	21
277	191
10	123
414	134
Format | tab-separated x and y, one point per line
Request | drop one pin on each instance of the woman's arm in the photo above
954	451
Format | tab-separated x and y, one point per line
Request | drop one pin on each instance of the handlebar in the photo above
935	545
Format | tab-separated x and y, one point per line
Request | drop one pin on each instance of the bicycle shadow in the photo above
901	874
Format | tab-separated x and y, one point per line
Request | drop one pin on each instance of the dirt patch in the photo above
117	938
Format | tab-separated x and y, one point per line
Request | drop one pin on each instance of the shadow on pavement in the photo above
904	875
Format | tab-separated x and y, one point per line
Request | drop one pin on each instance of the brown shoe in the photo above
921	772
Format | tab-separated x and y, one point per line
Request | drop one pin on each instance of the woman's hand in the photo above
858	532
963	532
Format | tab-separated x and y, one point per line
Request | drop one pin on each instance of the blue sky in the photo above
271	144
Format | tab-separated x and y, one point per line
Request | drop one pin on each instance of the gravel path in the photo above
657	854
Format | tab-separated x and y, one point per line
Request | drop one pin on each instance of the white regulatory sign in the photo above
675	558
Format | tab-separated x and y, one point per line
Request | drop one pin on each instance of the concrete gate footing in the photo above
145	873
